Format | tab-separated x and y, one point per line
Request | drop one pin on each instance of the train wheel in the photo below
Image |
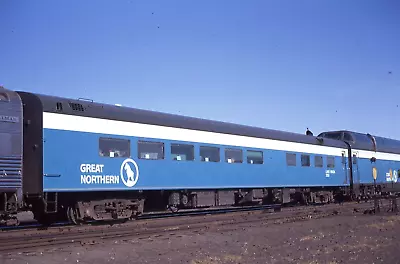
173	208
72	215
9	220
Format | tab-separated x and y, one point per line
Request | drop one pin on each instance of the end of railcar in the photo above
11	147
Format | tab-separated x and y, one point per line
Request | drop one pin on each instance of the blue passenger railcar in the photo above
90	154
102	161
371	155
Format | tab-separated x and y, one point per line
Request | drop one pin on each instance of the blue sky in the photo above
283	65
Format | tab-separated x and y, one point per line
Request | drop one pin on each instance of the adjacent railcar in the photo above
371	153
10	153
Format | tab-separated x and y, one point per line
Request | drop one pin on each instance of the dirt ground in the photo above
354	238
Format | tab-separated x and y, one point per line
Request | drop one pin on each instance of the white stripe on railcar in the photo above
97	125
112	127
378	155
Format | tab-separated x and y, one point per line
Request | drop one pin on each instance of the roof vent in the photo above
76	107
59	106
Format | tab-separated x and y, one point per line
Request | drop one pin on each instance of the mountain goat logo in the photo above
129	176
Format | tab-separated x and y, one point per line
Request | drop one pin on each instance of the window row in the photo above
110	147
306	160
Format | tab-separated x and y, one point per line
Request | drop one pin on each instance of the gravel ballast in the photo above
356	238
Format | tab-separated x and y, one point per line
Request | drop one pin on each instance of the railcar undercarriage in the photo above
80	208
103	210
367	191
9	207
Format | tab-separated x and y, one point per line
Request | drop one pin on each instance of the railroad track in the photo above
165	214
157	215
162	214
68	236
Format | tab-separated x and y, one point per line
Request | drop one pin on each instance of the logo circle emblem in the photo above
395	176
129	172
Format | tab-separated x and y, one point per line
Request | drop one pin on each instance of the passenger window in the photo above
114	148
334	135
233	155
209	154
319	161
291	159
347	137
182	152
255	157
305	161
150	150
330	161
